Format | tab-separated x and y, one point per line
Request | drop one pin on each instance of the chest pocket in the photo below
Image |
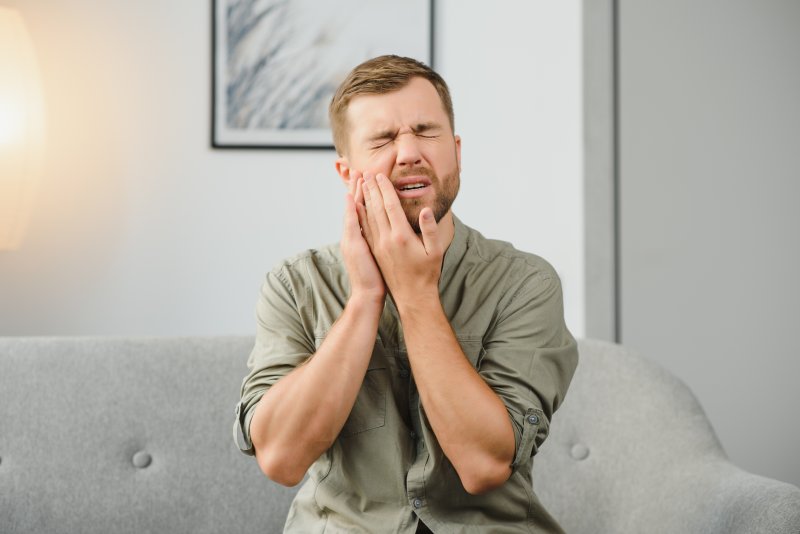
369	409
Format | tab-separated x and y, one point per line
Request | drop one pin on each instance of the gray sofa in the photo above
134	435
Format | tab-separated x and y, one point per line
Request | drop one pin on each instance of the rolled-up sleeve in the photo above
281	344
529	360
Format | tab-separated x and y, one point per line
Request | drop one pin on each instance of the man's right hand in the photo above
301	415
366	280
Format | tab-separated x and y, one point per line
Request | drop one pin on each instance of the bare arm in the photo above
469	419
299	417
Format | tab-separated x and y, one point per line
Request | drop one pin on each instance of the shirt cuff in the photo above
241	427
534	430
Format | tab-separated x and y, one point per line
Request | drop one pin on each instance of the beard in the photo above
446	192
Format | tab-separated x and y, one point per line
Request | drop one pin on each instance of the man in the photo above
412	370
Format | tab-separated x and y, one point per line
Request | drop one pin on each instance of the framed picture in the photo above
277	63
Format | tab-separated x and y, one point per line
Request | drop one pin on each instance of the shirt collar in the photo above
455	252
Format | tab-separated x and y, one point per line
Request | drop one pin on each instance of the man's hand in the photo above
468	418
365	277
410	266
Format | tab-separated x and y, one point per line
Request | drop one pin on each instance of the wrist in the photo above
418	305
366	302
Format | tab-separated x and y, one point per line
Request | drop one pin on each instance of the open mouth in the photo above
412	187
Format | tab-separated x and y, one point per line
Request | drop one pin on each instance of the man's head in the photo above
394	115
378	76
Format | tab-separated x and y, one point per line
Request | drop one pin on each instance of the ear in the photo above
343	169
458	151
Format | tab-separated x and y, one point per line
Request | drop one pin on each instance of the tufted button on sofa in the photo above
101	435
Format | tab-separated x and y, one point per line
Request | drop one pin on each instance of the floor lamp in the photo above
21	128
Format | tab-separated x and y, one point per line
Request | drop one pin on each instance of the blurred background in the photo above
649	150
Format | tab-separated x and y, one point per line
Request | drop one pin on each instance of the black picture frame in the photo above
272	91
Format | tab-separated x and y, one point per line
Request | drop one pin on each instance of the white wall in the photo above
515	73
710	131
141	229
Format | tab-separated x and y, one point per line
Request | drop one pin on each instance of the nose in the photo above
408	150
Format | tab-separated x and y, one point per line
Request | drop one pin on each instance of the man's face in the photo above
406	135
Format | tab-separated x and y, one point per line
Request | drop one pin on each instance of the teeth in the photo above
411	187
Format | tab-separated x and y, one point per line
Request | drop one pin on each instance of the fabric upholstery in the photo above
631	450
74	413
101	435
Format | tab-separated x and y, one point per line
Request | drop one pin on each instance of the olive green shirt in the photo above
386	468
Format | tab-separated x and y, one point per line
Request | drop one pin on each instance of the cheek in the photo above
382	161
444	158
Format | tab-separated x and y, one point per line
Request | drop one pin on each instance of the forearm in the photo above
470	421
299	417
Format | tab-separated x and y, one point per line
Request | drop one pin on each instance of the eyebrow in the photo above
425	127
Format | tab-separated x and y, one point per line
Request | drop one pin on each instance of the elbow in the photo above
486	479
279	470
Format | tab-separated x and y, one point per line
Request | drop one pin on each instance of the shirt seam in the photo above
512	255
279	274
543	279
306	255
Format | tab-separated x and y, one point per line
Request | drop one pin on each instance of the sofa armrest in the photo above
745	503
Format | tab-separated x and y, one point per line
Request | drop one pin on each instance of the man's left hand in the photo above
410	264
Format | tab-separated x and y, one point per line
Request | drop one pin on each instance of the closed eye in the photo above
382	139
378	145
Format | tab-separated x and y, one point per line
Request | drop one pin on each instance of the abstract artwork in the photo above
277	63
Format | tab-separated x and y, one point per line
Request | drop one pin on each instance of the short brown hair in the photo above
380	75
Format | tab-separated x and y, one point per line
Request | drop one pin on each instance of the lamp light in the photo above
21	128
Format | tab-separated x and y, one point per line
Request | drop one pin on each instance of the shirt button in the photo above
417	503
413	434
404	373
533	419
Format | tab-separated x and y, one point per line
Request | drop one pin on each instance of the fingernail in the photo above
427	215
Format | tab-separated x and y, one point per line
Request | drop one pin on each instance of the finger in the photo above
364	222
354	177
359	196
394	210
351	227
429	230
361	210
376	212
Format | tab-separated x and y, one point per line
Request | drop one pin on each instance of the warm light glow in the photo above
21	128
12	121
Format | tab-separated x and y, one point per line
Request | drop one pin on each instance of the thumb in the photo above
428	229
